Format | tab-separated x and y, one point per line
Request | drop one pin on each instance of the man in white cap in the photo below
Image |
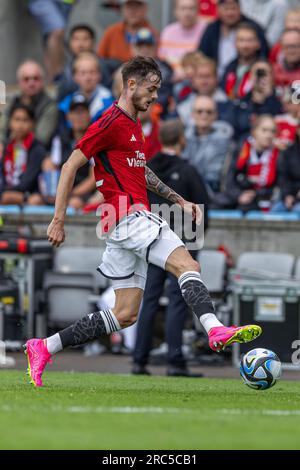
118	38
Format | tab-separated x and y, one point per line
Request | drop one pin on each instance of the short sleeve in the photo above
95	140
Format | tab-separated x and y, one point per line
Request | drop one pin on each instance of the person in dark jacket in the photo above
32	93
182	177
289	179
260	100
236	80
82	39
62	145
21	160
218	40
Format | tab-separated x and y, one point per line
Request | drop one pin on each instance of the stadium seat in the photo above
283	216
10	210
266	264
225	214
213	269
81	260
73	284
67	297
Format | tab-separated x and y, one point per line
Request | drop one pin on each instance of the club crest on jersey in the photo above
138	161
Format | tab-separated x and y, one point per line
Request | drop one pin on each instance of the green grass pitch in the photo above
93	411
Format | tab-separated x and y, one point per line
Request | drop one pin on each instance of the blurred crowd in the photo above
231	85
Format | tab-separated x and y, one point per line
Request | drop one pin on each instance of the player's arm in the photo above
56	232
155	185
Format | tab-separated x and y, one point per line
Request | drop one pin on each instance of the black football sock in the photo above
197	297
90	327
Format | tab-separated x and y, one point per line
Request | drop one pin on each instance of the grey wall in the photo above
20	37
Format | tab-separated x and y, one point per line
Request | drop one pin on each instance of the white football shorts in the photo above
140	238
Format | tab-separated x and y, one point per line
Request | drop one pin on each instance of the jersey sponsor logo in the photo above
133	139
138	161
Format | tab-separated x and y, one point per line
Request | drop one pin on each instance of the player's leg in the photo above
195	293
101	323
88	328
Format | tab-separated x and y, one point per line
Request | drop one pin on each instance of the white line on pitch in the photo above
240	411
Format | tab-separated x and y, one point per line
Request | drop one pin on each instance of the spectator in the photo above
205	82
52	16
236	81
87	76
208	142
189	64
287	70
181	177
218	41
292	21
260	100
287	123
31	83
144	44
183	36
117	39
22	159
82	39
61	148
289	179
269	14
253	174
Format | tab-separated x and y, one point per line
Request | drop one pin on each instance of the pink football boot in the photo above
222	336
38	357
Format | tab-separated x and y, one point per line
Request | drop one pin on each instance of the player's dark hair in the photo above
171	132
82	27
23	107
139	68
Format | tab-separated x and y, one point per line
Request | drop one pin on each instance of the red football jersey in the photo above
117	144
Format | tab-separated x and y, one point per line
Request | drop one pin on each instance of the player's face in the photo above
146	92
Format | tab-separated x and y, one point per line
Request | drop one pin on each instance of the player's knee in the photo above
126	317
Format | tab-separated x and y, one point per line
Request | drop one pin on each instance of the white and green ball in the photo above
260	369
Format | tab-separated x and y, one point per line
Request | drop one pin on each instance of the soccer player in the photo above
135	235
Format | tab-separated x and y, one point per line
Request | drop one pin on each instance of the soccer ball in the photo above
260	369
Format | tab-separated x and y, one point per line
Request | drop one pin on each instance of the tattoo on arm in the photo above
155	185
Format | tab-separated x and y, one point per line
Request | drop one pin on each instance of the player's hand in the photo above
56	233
194	210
